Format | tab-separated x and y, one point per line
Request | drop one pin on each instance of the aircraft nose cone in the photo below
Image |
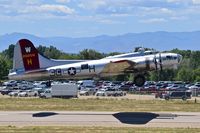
179	58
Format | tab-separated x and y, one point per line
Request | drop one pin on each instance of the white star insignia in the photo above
72	71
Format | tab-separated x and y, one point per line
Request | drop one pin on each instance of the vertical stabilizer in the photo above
25	56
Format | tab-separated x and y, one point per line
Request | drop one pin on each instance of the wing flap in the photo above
118	66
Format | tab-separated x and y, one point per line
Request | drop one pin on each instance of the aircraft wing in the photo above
118	66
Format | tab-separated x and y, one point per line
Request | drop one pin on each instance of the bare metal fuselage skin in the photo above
28	64
100	68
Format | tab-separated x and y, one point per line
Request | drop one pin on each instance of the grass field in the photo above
10	129
122	105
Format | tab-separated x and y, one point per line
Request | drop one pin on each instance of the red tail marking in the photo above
29	55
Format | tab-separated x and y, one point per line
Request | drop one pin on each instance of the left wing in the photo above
118	66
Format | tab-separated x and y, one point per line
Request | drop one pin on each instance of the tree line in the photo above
188	71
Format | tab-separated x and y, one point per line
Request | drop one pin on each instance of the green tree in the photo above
195	59
196	75
184	74
184	53
90	54
164	75
3	68
8	53
69	56
49	52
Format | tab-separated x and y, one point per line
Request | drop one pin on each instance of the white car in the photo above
196	86
40	84
110	92
101	92
47	94
88	90
14	93
28	93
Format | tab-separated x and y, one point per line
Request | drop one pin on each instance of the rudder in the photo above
26	56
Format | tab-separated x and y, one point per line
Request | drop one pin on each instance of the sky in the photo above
84	18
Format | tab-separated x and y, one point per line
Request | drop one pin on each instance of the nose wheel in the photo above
139	80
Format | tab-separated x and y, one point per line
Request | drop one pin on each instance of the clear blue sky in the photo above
81	18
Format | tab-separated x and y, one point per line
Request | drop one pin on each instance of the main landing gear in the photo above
139	80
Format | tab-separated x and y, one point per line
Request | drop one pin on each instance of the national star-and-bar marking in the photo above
72	71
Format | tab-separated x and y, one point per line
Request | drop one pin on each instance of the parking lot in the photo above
101	89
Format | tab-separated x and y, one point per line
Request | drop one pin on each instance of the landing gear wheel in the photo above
139	80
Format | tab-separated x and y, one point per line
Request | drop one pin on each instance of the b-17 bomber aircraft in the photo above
28	64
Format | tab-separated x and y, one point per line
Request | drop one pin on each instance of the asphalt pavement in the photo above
107	119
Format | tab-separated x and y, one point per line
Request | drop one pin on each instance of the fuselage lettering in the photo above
92	68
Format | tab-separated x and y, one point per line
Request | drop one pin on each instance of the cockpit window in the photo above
150	52
169	57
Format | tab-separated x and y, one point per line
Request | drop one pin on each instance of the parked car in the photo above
125	87
173	87
133	88
110	92
114	92
101	92
25	85
14	93
88	90
184	95
84	83
195	89
46	94
196	86
6	91
40	90
28	93
40	84
10	83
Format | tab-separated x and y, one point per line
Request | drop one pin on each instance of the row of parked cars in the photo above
43	89
104	91
23	88
161	89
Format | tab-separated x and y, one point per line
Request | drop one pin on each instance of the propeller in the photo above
155	62
158	62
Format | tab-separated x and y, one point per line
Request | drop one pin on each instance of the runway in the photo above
107	119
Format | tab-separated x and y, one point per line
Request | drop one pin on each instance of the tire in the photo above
139	80
166	98
184	98
26	95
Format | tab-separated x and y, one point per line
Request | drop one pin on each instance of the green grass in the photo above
122	105
12	129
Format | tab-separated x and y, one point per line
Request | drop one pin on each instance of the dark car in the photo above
184	95
6	91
